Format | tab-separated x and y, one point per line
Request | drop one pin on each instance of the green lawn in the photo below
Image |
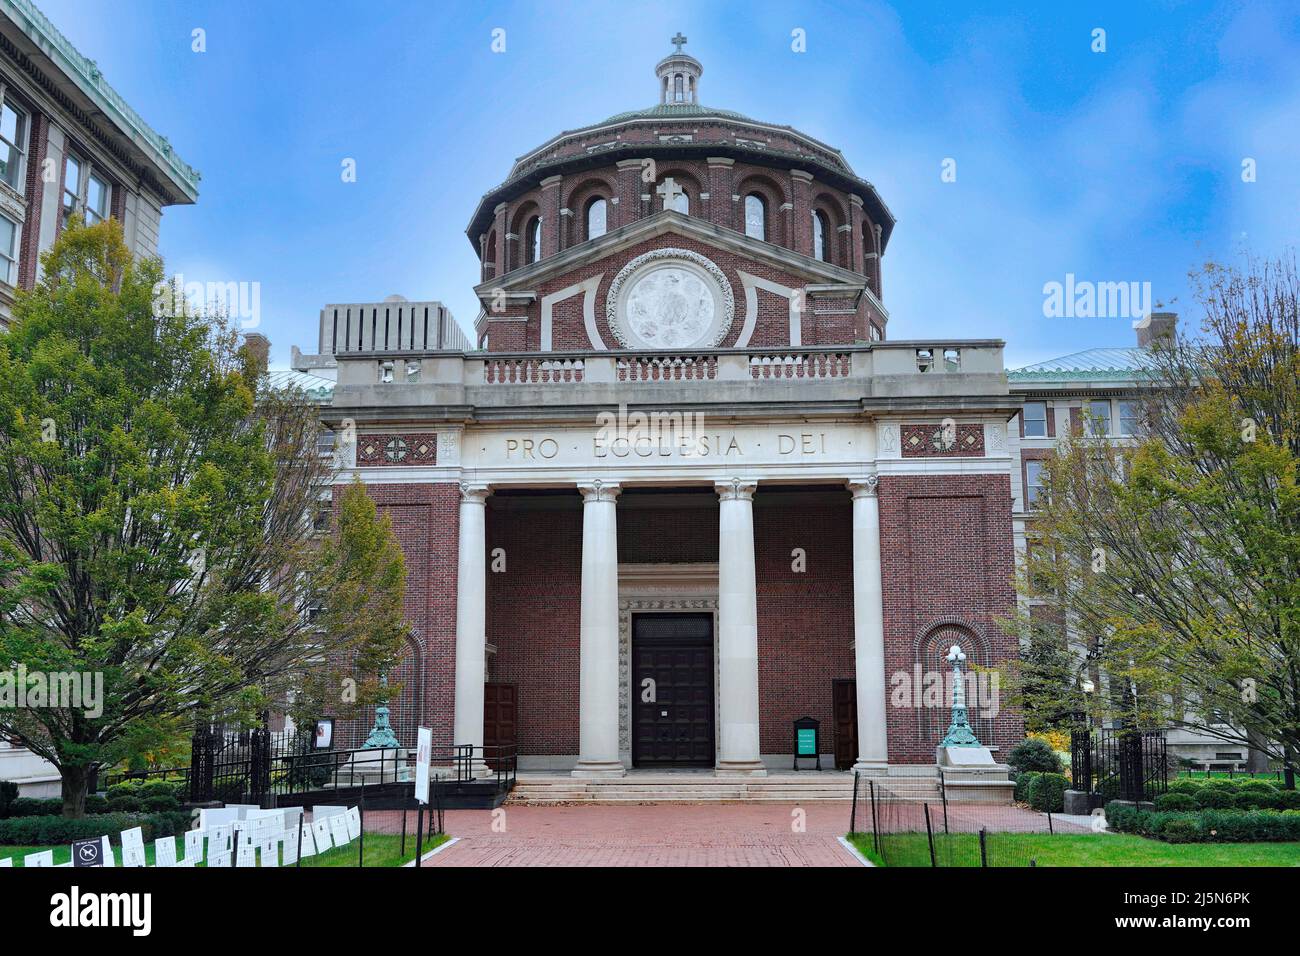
382	850
1083	849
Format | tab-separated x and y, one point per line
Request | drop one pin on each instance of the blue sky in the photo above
1117	166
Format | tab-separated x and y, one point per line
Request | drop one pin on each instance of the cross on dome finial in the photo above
679	75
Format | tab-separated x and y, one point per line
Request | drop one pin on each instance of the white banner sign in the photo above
423	754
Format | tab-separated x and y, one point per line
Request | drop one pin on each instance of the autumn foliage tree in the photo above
1176	560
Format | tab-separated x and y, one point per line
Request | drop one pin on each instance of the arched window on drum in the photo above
755	217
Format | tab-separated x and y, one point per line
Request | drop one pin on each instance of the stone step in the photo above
704	788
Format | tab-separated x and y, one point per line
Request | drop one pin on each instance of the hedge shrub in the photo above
35	806
8	794
1288	799
96	804
1035	755
1215	798
1023	781
52	830
1206	826
1175	801
1047	792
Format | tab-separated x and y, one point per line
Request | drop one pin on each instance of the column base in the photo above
740	768
599	769
871	768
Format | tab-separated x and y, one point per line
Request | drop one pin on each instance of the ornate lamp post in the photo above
959	731
381	735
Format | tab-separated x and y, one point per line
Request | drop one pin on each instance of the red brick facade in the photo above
426	521
825	321
946	564
947	559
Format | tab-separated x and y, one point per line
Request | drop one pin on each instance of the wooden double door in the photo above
672	690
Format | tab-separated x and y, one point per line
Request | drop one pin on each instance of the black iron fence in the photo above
1119	763
899	828
259	767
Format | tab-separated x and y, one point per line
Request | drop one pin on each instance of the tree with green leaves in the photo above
1176	562
156	520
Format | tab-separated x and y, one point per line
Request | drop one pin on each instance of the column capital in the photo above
473	492
598	490
736	489
864	487
801	175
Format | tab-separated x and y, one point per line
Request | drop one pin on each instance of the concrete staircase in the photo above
704	787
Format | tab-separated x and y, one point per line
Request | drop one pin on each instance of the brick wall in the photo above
823	322
805	619
533	609
426	521
947	564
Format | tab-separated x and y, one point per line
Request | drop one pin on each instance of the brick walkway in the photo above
651	835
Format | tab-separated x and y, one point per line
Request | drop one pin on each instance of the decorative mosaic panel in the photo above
405	449
934	440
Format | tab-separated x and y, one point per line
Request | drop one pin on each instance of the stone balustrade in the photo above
879	370
801	365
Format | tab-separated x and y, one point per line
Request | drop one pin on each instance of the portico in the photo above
725	591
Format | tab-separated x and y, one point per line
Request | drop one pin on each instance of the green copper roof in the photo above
1092	364
85	73
675	111
316	387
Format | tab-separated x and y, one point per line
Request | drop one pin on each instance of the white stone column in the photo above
598	635
737	631
471	621
869	628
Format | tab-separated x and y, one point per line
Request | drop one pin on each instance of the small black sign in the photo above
88	852
806	742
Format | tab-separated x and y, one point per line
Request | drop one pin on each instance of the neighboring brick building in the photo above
686	489
70	143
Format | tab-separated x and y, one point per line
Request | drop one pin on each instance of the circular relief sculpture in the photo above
669	300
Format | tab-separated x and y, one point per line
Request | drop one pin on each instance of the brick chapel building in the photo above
684	488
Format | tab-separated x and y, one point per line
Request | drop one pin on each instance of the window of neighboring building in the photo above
1033	482
72	176
820	229
596	218
533	239
13	139
85	190
1098	418
1129	418
96	199
9	231
755	216
1035	414
325	442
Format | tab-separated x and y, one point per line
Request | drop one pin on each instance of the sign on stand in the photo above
423	755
